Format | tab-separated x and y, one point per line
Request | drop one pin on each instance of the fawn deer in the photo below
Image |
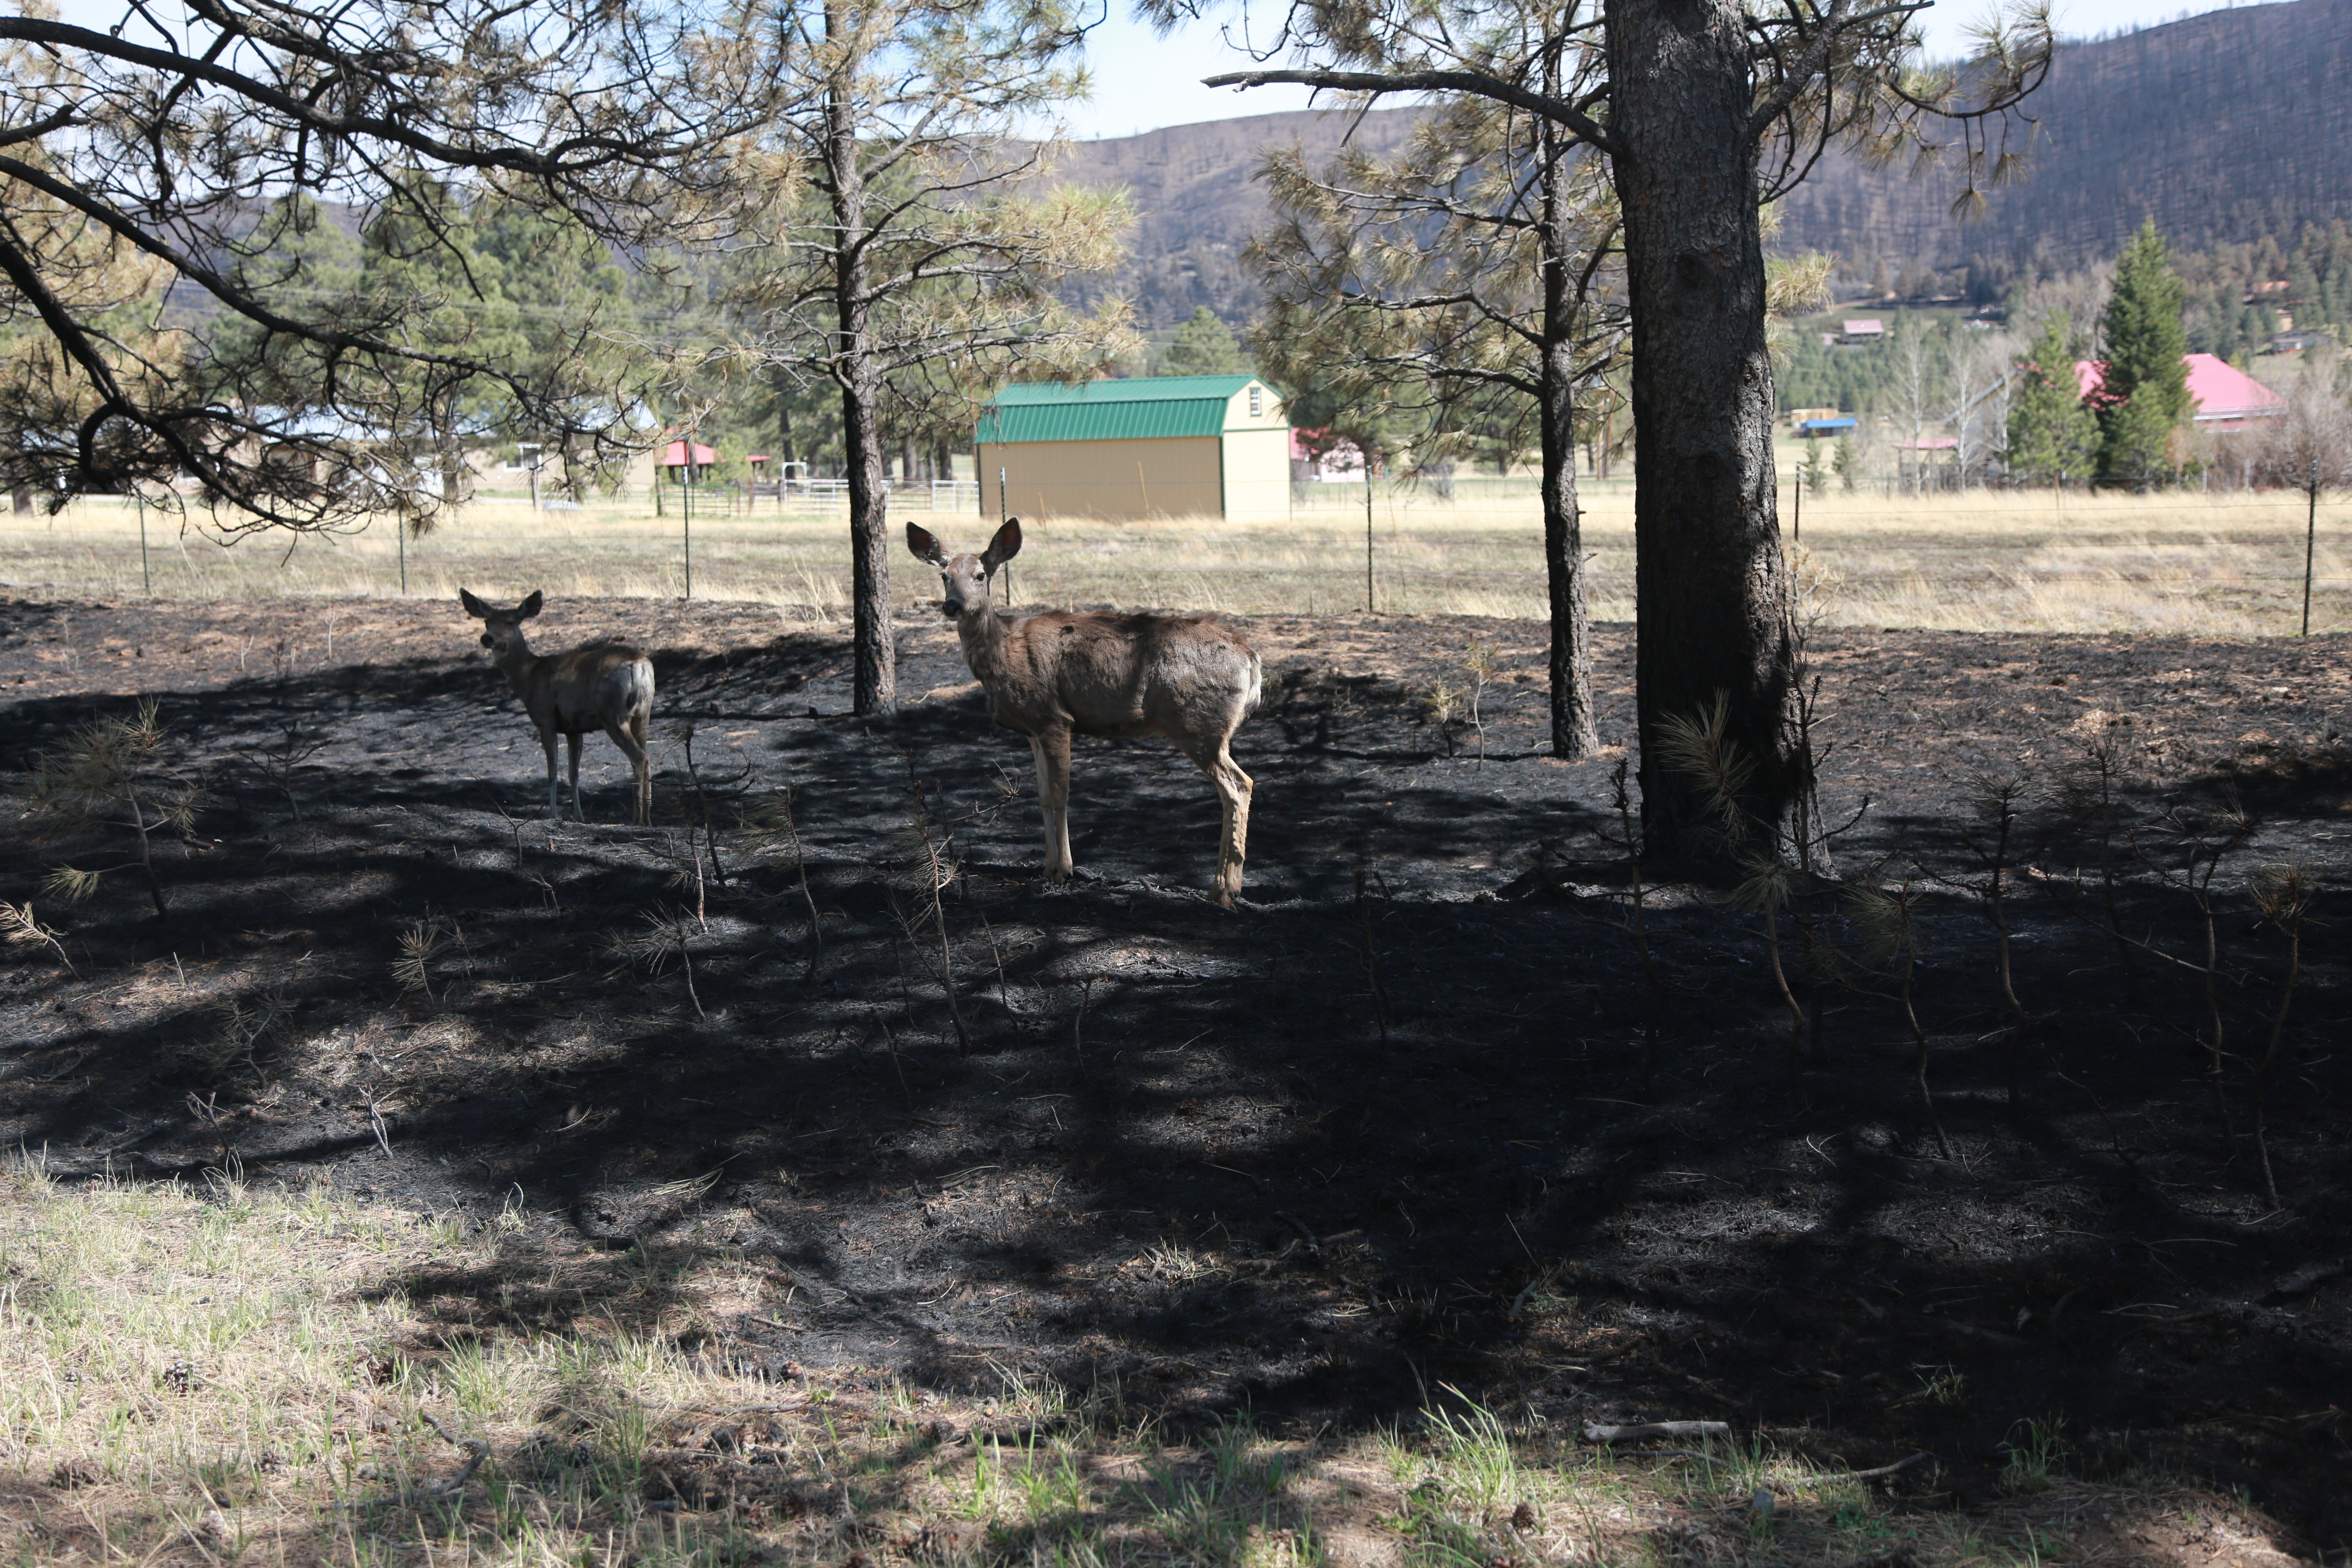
601	685
1061	673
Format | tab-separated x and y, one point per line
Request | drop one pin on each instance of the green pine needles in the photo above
112	778
2053	434
2144	394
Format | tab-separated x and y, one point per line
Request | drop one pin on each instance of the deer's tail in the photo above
631	699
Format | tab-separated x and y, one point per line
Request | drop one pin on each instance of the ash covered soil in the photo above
1316	1156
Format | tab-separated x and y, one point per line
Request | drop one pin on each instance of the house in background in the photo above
1215	446
1317	456
2223	398
1867	330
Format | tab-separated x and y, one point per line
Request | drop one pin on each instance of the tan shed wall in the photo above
1105	478
1257	474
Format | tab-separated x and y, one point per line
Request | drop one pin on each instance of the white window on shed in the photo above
1257	402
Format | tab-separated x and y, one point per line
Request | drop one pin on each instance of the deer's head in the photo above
965	578
501	629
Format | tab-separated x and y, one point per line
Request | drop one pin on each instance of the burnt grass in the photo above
1396	1108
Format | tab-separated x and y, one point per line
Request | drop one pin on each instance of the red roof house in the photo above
2224	397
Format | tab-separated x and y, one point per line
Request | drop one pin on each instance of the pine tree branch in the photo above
1477	83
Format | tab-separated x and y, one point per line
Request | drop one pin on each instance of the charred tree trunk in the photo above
873	651
1715	616
1572	732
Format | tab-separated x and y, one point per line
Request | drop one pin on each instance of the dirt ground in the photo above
1316	1156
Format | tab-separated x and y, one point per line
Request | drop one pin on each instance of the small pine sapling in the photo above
1698	747
112	776
776	835
2091	793
663	937
1629	839
1997	800
928	856
1443	701
18	923
1480	662
687	874
696	802
2283	894
420	942
1888	921
1808	840
1371	957
2204	838
240	1032
282	760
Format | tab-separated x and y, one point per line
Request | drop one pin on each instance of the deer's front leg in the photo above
572	742
1051	751
547	744
1234	788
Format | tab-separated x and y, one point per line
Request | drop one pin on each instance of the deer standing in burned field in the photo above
1061	673
601	685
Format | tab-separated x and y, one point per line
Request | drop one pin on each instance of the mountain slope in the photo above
1198	202
2223	127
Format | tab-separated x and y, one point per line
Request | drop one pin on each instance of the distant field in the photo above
2229	564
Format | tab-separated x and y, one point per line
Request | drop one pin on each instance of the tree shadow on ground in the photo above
1315	1156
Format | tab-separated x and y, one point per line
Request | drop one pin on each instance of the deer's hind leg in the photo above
1051	749
629	734
579	812
1234	788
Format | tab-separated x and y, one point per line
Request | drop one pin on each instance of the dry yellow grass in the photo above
201	1377
2228	564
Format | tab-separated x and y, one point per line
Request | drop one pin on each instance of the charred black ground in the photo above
1414	1123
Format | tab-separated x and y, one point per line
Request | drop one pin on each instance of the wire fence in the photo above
800	494
2223	565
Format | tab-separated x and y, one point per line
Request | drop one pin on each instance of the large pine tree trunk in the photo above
1572	732
873	651
1715	617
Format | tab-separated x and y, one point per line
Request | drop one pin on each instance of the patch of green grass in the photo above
2033	1456
230	1374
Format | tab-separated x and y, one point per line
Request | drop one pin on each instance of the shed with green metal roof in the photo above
1146	447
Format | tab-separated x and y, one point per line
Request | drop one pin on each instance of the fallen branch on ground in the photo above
1880	1473
475	1450
1643	1432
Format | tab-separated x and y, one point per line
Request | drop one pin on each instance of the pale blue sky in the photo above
1143	82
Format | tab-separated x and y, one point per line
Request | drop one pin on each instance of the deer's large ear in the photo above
532	606
474	608
925	548
1005	546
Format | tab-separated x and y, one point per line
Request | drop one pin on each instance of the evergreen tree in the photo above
1204	346
2144	399
908	255
200	145
1474	281
575	339
421	258
1701	116
2052	431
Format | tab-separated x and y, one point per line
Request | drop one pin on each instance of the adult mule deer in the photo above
606	685
1061	673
